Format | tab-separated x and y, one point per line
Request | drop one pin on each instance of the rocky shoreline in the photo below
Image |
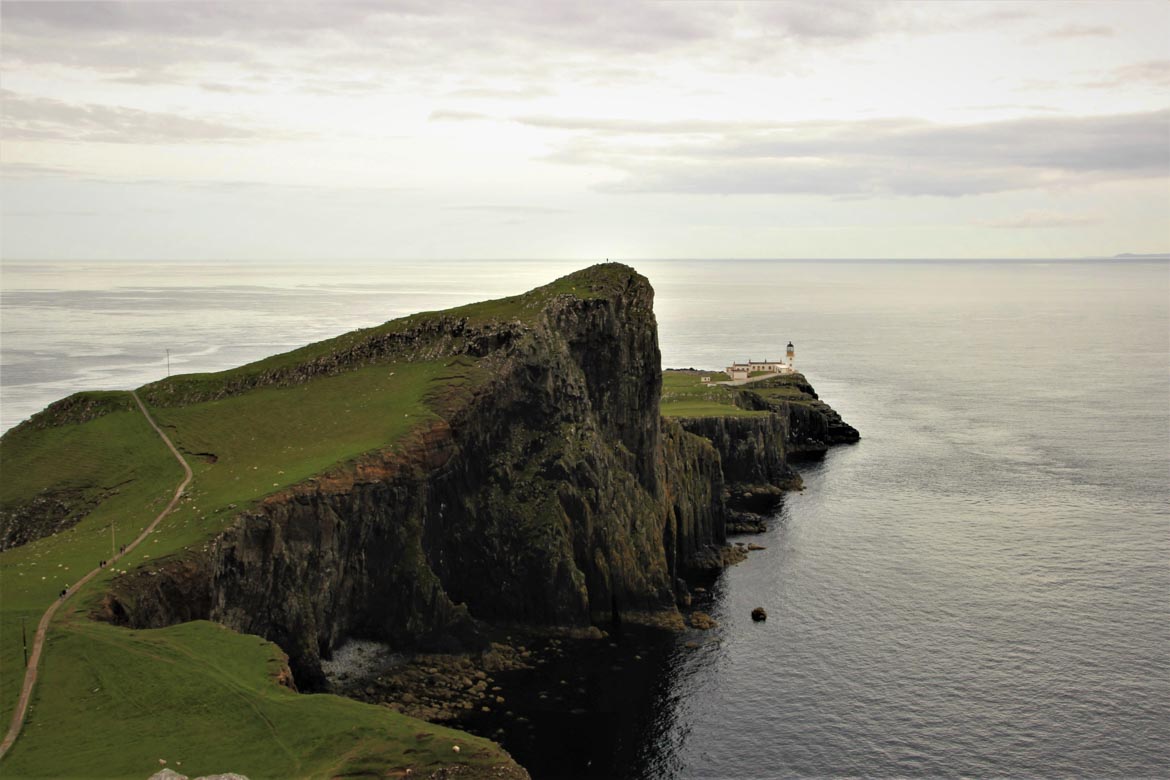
562	703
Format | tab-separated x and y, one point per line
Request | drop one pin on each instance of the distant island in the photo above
435	485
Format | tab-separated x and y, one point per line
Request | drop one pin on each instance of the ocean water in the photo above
980	587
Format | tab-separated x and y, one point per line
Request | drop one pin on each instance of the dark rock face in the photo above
552	494
751	449
46	515
811	425
814	428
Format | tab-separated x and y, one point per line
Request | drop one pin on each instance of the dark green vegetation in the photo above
412	483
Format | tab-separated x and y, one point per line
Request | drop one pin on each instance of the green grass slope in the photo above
247	446
117	455
111	702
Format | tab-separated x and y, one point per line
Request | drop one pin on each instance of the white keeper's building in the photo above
744	370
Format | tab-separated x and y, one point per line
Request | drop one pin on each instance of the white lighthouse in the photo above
791	353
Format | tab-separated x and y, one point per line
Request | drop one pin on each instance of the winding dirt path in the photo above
30	674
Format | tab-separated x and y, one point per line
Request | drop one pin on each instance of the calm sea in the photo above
981	587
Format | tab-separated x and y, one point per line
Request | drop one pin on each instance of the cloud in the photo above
52	213
26	169
869	158
1002	16
453	115
1081	31
501	93
639	126
235	31
823	19
505	209
1040	219
603	42
1152	72
32	118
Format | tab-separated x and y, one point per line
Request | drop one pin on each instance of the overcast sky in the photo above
583	130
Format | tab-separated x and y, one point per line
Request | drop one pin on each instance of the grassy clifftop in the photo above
685	394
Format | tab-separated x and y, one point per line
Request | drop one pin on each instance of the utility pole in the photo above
168	364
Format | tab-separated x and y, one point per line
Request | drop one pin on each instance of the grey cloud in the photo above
163	42
35	118
500	93
819	19
891	156
505	209
451	115
47	213
639	126
25	169
341	87
847	179
54	213
1040	219
1014	107
229	89
1153	72
600	25
1001	16
1080	31
195	19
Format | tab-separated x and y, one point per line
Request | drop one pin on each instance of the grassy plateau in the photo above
685	394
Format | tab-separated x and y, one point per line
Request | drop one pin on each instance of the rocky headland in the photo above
552	493
545	496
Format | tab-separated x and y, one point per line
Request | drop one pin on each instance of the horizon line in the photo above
297	261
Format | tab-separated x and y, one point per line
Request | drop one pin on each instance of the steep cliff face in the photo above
696	522
752	450
811	425
550	493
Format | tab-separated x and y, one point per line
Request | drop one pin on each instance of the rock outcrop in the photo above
751	449
46	514
550	493
812	426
